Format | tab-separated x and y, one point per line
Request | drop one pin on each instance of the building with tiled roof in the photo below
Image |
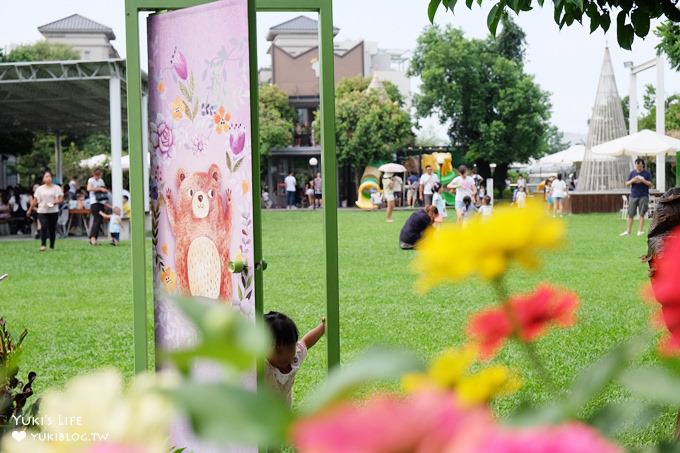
91	39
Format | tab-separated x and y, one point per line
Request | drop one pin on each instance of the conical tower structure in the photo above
602	173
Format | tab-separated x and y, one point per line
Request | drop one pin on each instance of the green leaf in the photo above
494	17
468	3
228	161
615	419
640	22
226	336
187	110
550	414
653	383
191	83
230	414
195	110
374	364
432	9
184	91
624	32
594	23
593	379
605	21
238	163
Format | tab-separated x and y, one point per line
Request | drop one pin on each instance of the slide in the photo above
449	198
369	180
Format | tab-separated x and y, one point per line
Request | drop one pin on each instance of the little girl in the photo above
114	224
439	203
485	209
522	197
287	355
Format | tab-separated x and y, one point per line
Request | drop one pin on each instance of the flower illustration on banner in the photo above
245	186
158	174
236	142
180	64
169	280
221	120
160	87
162	139
198	145
178	108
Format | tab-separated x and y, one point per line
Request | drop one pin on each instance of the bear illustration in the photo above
201	224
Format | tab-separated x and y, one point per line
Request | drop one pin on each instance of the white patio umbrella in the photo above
392	168
570	155
643	143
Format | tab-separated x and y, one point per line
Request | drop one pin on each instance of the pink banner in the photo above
201	198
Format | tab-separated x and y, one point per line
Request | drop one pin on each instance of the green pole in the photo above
677	169
255	168
134	111
328	163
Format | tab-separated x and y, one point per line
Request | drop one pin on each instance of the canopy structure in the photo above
572	155
602	173
643	143
67	97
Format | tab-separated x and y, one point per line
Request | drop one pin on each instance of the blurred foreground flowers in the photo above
666	290
94	414
485	247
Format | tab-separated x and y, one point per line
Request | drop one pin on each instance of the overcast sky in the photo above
566	63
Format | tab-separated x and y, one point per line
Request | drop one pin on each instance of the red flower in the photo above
667	291
526	316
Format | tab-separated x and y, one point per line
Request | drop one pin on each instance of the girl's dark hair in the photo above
467	200
559	176
436	187
283	329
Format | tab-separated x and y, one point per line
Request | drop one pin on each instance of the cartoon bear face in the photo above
199	192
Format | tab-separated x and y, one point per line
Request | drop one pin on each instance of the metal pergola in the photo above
137	120
67	97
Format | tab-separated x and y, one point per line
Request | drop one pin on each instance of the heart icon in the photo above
19	435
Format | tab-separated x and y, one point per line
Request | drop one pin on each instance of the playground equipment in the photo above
369	180
442	165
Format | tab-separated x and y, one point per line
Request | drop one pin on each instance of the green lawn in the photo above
76	301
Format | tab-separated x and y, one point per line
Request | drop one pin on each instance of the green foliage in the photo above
555	140
41	51
669	33
511	41
370	125
496	112
632	16
672	111
276	118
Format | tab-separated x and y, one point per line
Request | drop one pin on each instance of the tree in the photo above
632	16
511	42
669	33
555	140
276	118
495	112
42	51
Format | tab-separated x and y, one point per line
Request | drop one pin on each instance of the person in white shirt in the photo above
427	182
558	191
98	198
521	198
465	187
291	189
388	192
47	199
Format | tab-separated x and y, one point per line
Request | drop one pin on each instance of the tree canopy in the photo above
370	124
669	33
276	118
41	51
632	16
494	111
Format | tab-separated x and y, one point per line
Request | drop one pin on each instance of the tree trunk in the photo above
483	169
499	177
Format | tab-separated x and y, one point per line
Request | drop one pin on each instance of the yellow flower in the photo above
245	185
178	108
164	249
169	280
486	246
451	371
445	371
160	87
487	384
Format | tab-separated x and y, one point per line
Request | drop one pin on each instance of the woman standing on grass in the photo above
47	198
99	194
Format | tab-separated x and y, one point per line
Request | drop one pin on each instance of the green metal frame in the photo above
328	158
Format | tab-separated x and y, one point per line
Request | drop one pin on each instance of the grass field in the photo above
76	301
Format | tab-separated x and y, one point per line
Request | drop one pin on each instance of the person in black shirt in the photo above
415	226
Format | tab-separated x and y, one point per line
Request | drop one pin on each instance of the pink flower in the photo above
667	291
570	438
115	448
180	65
162	138
237	143
424	422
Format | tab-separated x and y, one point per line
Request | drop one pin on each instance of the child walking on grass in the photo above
286	357
114	224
